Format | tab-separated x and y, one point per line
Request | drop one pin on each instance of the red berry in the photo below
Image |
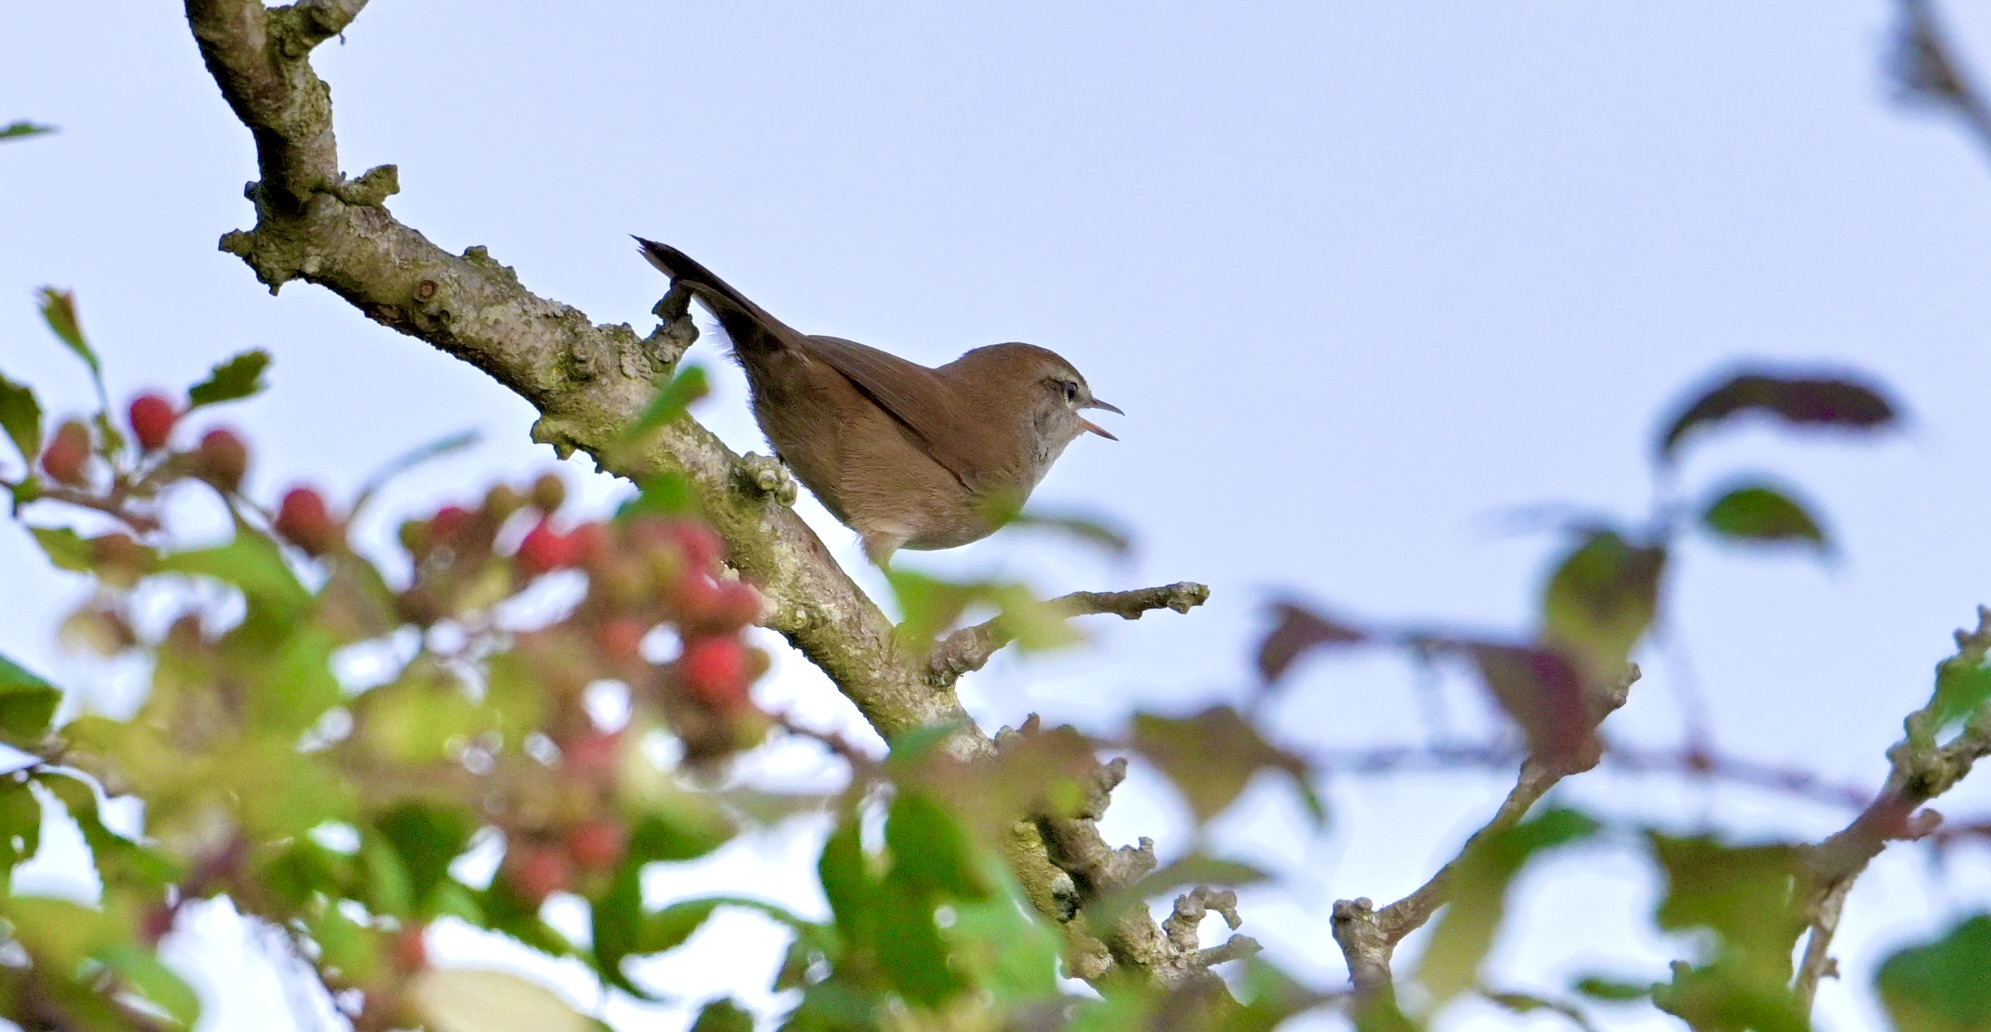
545	549
591	544
622	639
152	419
222	459
303	518
700	544
409	951
714	671
597	845
67	454
595	756
536	872
449	521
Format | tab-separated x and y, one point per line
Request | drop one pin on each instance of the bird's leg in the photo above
767	475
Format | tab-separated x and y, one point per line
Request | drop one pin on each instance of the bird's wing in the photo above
912	394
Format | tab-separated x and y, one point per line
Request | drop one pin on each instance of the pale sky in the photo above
1361	275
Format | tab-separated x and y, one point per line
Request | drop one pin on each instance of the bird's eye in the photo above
1071	391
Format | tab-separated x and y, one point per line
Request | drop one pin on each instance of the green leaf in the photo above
65	548
1211	757
910	952
27	702
23	129
1727	995
1941	986
1759	513
1741	893
388	889
670	402
238	377
667	929
723	1016
1004	949
1601	598
1611	990
20	825
929	848
141	969
427	837
1464	933
58	309
660	494
685	828
1961	690
847	883
20	417
250	562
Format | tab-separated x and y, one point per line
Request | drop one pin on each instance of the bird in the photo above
908	456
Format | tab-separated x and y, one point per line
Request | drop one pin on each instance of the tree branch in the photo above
970	648
588	382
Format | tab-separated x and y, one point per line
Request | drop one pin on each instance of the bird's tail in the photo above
746	323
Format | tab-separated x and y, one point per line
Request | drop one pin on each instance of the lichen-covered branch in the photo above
969	648
588	381
1368	936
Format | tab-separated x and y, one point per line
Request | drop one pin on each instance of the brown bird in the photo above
907	456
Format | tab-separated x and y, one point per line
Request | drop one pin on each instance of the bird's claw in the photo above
767	474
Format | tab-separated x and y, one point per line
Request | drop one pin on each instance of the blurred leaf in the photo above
400	464
22	130
1528	1003
1601	598
847	883
1941	986
58	309
932	605
683	828
1086	529
427	837
1726	997
1961	690
250	562
667	929
239	377
1755	512
723	1016
20	826
1191	870
929	605
659	494
119	860
1478	893
1611	990
27	702
1210	757
142	970
65	548
303	667
1797	400
1542	692
20	417
670	402
1742	893
388	889
910	952
1299	630
471	1000
1004	949
929	849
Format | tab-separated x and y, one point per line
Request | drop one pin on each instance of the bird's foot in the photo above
676	331
767	474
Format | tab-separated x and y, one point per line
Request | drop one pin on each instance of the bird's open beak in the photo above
1091	427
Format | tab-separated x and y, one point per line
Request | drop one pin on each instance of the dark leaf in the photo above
1600	600
22	130
239	377
686	829
847	883
910	952
1612	990
670	402
1759	513
385	888
427	837
1798	400
27	702
20	825
20	417
1542	691
667	929
1299	630
1211	756
1478	891
58	309
1941	986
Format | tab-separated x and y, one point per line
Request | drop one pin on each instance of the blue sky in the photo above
1362	276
